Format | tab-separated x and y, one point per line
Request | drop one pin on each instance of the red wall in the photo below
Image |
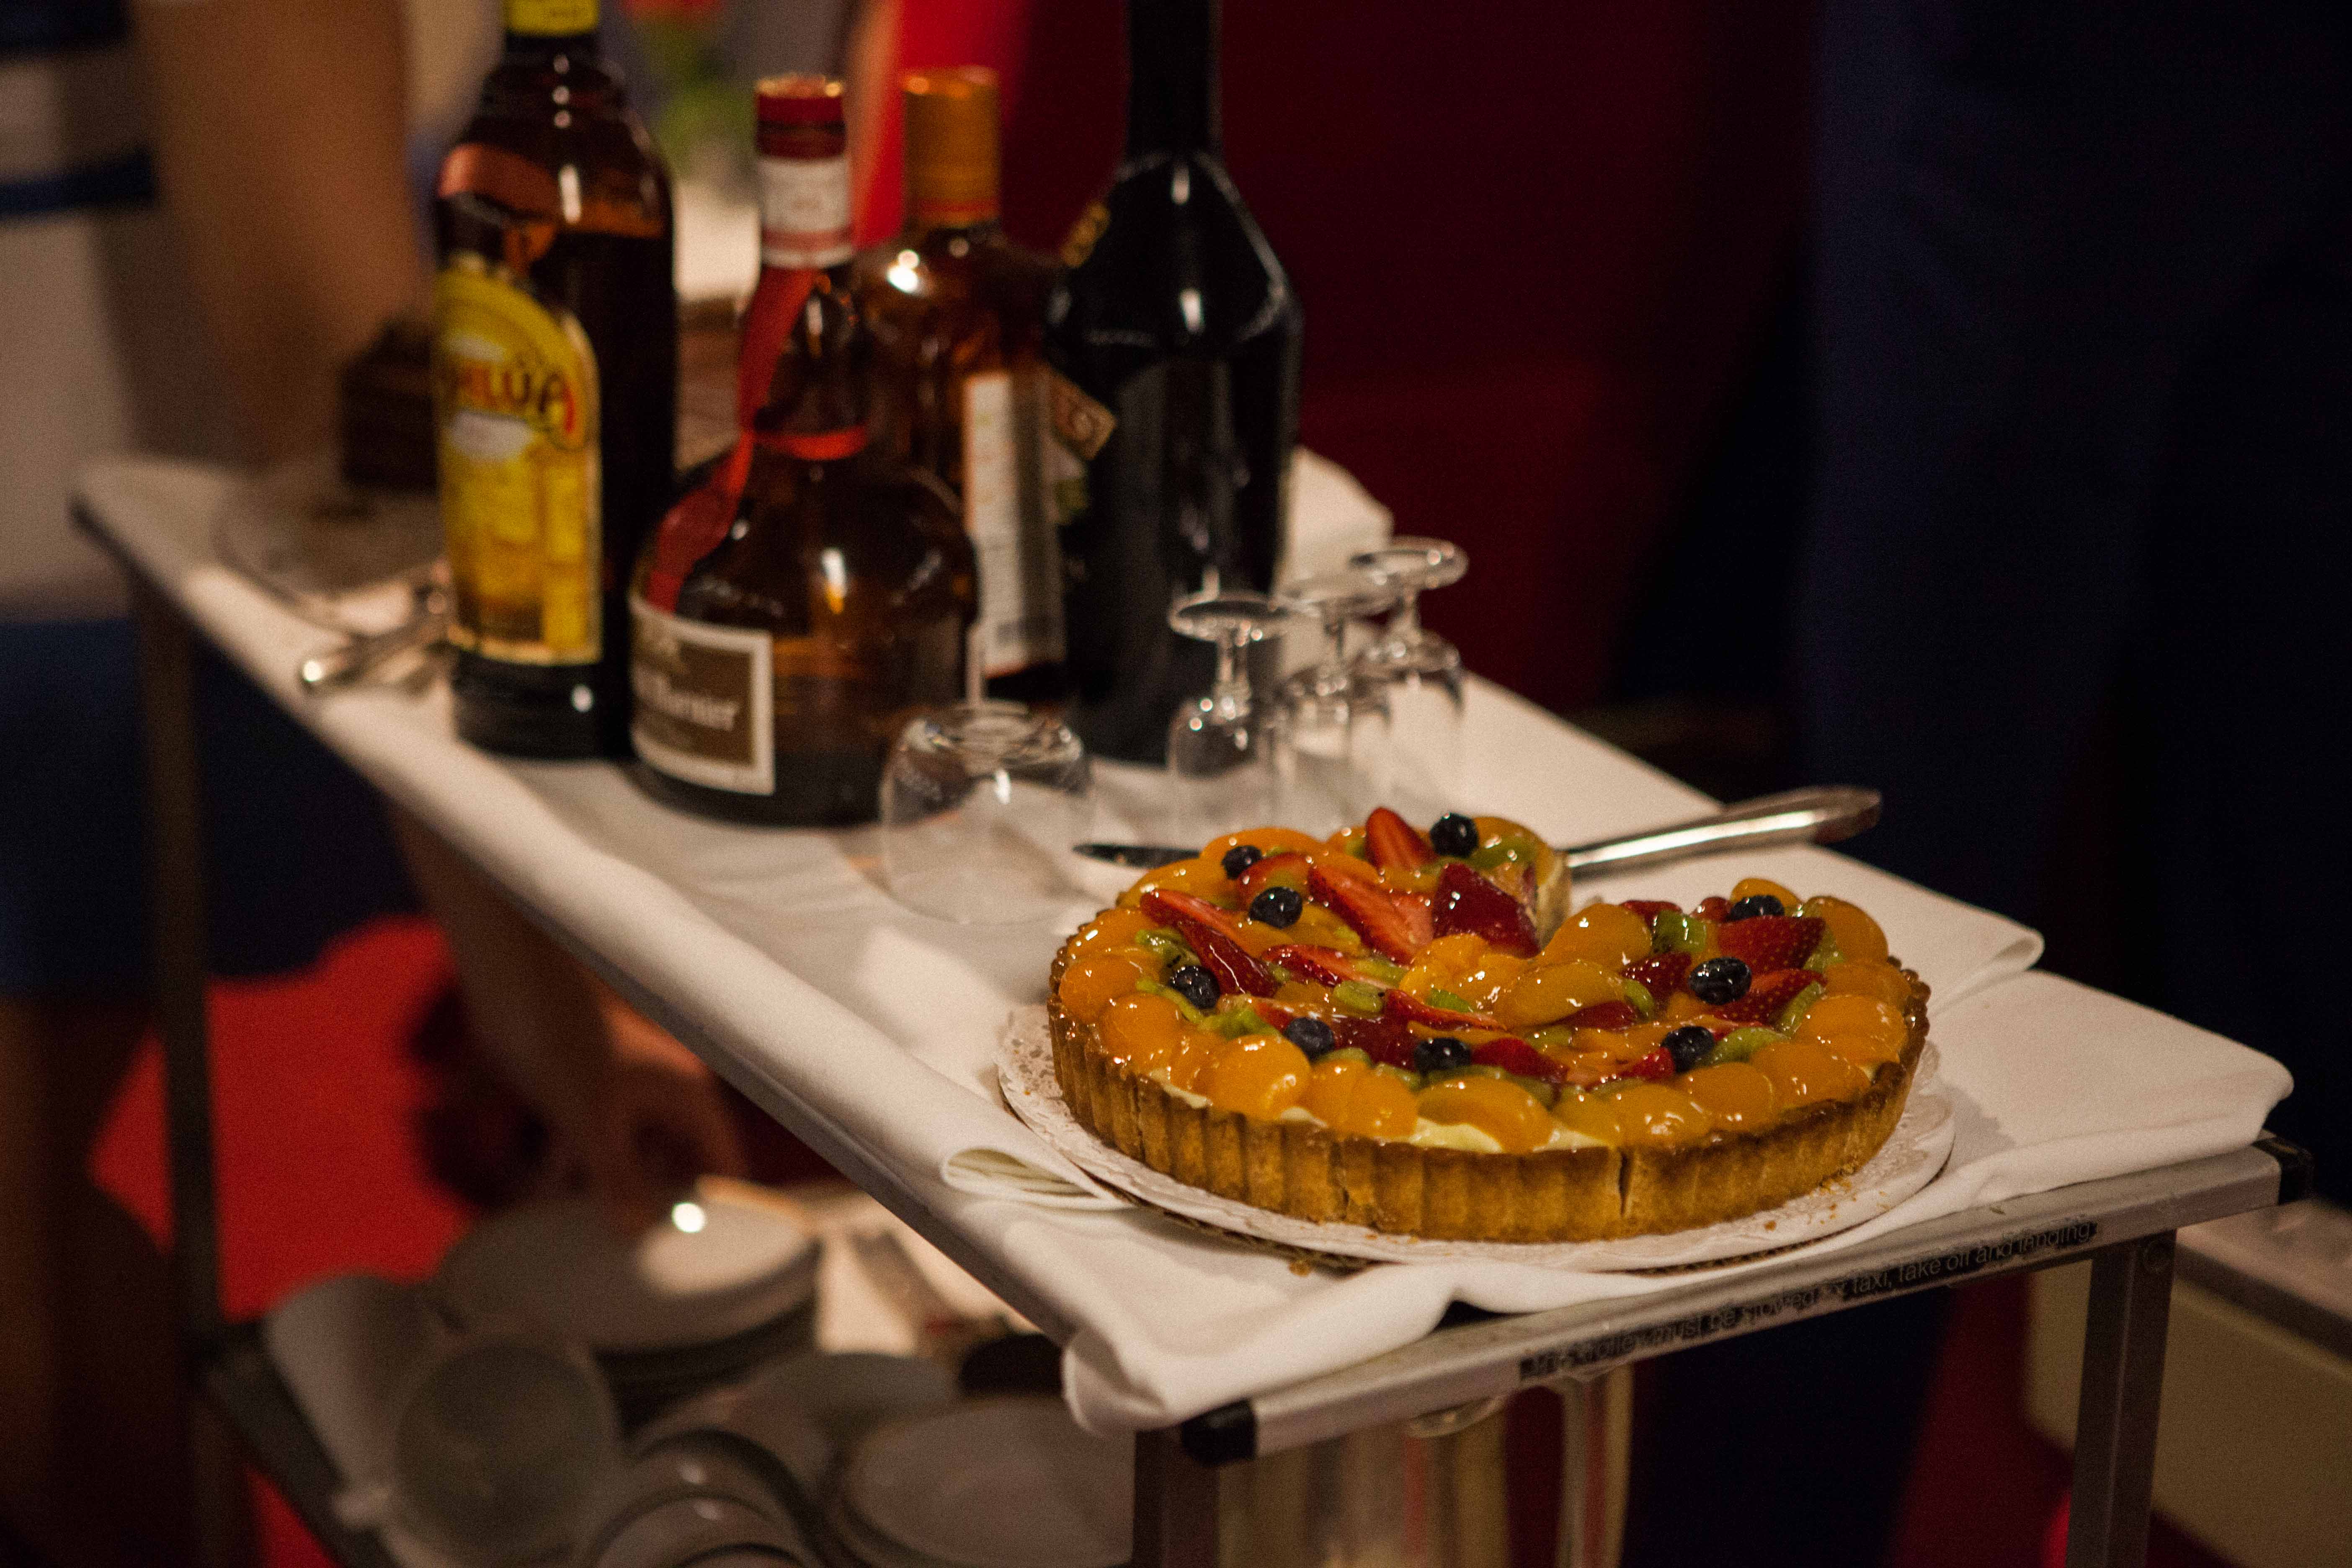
1533	241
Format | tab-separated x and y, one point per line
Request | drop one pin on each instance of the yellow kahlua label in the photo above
551	18
515	408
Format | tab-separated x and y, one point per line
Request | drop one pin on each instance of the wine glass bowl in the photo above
1227	756
980	803
1421	671
1337	720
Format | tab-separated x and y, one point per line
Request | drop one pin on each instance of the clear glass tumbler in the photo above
981	803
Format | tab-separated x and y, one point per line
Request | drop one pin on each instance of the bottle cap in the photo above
951	122
799	98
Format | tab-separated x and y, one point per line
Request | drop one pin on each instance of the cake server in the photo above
1823	814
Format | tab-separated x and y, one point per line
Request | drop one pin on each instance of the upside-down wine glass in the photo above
1421	673
1337	722
1228	758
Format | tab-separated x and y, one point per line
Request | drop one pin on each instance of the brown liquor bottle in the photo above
774	669
957	312
555	386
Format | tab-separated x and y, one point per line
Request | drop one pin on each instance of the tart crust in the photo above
1594	1193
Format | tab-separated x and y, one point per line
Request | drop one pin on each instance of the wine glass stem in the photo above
1231	694
1406	629
1331	675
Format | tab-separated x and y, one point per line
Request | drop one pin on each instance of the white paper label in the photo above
1020	561
705	700
805	211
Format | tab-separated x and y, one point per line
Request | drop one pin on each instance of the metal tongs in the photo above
355	658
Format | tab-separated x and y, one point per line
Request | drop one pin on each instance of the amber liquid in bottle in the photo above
556	386
957	313
774	669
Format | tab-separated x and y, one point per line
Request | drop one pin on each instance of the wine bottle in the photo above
1176	328
957	310
555	386
775	665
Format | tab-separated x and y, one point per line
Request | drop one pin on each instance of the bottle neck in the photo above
816	410
804	213
1171	76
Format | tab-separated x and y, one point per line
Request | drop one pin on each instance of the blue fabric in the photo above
299	851
31	26
127	180
2085	297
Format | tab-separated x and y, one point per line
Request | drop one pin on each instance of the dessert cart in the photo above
772	955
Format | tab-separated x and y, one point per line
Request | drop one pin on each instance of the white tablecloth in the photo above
784	951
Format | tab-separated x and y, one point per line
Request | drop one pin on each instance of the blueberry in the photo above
1755	904
1443	1054
1312	1035
1720	980
1453	834
1689	1044
1277	906
1195	984
1241	857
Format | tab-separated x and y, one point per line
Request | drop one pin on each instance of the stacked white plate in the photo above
723	1285
991	1483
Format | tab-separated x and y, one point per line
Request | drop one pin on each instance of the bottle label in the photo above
1019	556
1073	429
551	18
515	416
805	211
705	700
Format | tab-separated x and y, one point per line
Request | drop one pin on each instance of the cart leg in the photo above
1175	1505
2123	1383
176	852
1596	1446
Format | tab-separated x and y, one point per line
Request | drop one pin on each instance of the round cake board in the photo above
1912	1156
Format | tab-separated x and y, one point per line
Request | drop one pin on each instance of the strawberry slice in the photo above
1660	974
1658	1064
1368	909
1393	843
1325	965
1420	918
1767	994
1207	928
1169	905
1771	941
1406	1008
1514	1055
1288	869
1713	907
1466	903
1382	1040
1603	1016
1650	909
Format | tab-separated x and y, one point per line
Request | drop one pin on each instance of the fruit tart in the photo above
1377	1029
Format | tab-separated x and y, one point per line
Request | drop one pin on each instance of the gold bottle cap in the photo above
951	121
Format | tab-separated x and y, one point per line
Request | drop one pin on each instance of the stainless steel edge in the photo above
1453	1366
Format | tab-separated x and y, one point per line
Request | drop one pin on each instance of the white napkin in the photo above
2051	1083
